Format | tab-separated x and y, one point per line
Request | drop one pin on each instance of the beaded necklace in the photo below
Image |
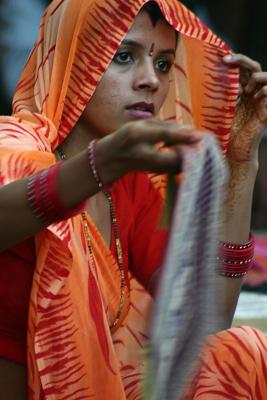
119	253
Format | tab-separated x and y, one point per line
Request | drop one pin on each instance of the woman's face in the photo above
137	81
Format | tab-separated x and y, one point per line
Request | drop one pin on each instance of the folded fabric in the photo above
185	309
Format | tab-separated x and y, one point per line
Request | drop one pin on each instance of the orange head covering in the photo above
71	351
77	41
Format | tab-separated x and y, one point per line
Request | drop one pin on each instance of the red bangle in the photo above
235	259
53	195
44	199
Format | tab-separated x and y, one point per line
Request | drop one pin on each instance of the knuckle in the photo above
257	76
134	132
125	133
144	123
257	65
254	78
165	134
132	136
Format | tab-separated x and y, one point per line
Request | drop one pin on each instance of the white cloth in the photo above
185	310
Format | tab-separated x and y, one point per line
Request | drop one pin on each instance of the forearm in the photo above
236	228
238	203
17	221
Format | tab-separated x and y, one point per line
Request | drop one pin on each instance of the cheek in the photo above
103	111
106	95
115	90
165	86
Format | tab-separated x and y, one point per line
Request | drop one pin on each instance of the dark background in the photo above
242	23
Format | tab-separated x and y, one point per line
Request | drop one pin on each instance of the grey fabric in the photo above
185	309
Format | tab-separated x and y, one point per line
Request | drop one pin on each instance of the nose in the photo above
146	77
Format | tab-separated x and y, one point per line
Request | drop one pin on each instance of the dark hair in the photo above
153	10
155	14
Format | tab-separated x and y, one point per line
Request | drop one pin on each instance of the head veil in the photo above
77	40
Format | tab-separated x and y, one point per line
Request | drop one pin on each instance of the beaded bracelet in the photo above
91	156
235	259
44	199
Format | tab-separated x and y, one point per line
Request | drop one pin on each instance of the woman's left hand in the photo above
251	112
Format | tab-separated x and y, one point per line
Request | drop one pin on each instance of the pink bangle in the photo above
235	259
91	156
44	198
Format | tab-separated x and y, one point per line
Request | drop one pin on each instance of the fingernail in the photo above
229	57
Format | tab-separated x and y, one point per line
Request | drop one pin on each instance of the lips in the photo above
142	106
141	110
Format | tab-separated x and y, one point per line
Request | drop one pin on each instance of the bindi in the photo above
151	51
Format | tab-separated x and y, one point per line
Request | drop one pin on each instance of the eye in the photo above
164	66
123	57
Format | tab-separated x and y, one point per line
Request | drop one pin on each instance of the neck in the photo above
77	140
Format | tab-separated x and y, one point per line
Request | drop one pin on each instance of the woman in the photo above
86	322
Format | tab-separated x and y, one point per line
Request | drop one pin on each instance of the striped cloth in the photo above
185	311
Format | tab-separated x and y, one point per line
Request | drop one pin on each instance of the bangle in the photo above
91	156
236	260
44	199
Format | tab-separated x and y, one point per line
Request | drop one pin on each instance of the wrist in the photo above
244	168
108	167
44	197
238	202
236	259
250	166
242	177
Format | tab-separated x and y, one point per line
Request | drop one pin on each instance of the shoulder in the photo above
28	132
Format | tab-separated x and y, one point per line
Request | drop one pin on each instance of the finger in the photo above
162	161
157	123
240	90
175	136
257	79
170	135
243	61
261	94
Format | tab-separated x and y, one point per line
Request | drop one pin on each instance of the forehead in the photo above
143	31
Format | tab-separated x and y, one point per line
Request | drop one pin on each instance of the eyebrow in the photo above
133	43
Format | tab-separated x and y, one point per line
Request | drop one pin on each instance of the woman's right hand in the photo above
131	148
134	148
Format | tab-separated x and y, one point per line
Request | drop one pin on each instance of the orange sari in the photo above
72	354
